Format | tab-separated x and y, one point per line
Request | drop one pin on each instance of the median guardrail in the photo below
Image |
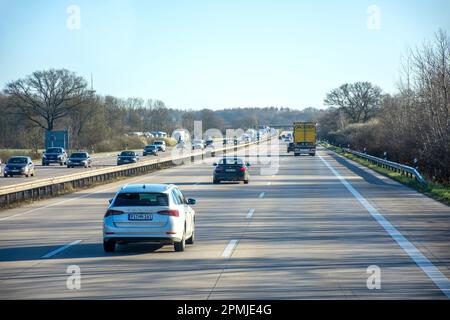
390	165
50	187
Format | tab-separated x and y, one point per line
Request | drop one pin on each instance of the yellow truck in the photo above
304	138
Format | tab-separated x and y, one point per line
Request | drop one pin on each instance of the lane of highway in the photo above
299	233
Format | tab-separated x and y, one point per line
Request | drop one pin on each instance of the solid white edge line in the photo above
229	249
426	265
250	213
55	252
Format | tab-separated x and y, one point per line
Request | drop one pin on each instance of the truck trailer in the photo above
304	138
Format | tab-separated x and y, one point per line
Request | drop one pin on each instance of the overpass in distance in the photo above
319	227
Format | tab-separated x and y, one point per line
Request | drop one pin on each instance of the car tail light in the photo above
112	213
243	169
172	213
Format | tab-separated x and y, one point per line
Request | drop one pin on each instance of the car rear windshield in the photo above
231	162
79	155
159	142
127	154
54	150
17	160
141	199
150	147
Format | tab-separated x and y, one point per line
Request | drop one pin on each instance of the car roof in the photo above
232	158
144	187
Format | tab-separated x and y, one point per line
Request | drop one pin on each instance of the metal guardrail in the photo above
394	166
54	186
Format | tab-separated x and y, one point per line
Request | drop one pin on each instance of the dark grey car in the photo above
19	166
127	157
150	150
54	155
231	169
79	159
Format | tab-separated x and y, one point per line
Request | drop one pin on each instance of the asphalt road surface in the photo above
309	231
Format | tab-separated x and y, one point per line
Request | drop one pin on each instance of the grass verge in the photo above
436	191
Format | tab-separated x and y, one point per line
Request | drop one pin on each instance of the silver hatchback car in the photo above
156	213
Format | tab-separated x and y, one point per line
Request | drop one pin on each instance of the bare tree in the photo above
359	101
46	96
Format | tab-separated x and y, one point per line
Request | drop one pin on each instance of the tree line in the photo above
411	126
62	100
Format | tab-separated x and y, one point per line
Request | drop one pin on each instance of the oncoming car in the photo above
79	159
127	157
150	149
19	166
156	213
198	144
161	144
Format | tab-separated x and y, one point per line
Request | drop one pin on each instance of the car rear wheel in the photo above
246	181
180	246
109	246
216	181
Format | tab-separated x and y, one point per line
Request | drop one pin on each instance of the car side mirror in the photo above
110	201
191	202
214	164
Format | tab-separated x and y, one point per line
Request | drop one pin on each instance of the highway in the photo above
308	231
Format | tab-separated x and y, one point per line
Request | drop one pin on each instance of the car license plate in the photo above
140	216
304	150
230	170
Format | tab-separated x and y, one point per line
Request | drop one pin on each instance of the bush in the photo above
120	143
6	154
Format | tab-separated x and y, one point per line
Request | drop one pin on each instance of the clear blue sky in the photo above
216	54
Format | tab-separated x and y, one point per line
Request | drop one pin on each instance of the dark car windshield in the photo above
54	150
17	160
159	142
141	199
79	155
127	154
231	161
150	147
